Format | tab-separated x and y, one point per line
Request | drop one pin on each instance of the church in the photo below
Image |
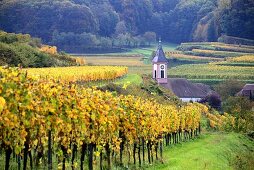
181	87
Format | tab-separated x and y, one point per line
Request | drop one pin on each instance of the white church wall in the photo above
155	70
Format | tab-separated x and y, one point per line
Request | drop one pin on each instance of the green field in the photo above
211	151
130	79
128	60
135	51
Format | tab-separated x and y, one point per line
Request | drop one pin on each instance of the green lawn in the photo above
130	79
211	151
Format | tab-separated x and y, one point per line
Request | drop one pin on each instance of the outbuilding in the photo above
247	91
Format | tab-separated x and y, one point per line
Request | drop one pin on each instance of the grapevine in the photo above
40	118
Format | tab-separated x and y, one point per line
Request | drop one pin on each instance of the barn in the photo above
247	91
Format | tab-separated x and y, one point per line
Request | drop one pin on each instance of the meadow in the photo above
211	151
115	60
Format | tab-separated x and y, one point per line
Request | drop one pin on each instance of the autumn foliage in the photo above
43	117
79	74
49	49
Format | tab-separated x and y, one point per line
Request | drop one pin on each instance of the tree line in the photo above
97	23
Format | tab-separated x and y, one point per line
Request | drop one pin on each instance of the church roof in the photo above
185	89
160	55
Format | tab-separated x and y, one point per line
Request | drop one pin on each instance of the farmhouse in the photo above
247	91
181	87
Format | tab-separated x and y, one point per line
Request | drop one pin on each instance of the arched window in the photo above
162	73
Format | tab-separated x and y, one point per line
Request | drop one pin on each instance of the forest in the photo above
78	25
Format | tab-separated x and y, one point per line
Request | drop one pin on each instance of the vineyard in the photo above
212	71
214	53
76	123
243	59
192	57
126	84
209	51
216	46
79	74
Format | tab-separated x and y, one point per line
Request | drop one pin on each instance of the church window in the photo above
162	74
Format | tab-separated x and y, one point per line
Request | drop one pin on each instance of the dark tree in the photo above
213	100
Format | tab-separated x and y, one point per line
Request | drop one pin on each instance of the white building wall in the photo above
190	99
155	69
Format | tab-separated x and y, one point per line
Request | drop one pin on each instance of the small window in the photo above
162	73
155	74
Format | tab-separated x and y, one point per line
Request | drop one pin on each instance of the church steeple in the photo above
159	55
160	65
160	46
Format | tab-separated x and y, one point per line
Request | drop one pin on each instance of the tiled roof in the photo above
246	91
185	89
248	87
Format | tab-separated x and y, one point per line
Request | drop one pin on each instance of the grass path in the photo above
130	79
211	151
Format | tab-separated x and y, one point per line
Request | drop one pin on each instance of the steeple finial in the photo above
160	43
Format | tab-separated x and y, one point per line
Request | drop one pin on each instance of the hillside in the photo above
23	50
79	25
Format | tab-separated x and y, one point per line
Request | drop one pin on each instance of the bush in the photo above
21	49
242	109
228	88
8	55
213	100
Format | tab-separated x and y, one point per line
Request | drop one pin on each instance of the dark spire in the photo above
160	55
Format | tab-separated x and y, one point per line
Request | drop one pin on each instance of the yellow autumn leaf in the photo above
2	104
